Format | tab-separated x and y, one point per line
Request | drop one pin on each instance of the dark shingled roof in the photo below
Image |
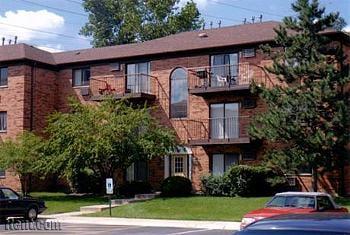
220	37
181	42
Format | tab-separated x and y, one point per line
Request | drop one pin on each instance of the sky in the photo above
54	25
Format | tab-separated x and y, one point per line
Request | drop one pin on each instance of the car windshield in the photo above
292	201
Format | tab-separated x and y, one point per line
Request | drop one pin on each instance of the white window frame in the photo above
83	83
7	76
3	113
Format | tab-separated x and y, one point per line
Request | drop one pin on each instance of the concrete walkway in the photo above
74	218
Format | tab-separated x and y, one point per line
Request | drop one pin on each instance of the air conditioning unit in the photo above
249	103
201	73
84	91
292	180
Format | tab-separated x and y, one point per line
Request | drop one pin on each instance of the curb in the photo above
220	225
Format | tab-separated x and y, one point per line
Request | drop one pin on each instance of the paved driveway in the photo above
88	229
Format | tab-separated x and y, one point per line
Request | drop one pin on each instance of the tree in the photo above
103	138
114	22
308	116
23	156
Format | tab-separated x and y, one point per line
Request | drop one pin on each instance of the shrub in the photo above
216	185
176	186
254	180
130	189
245	181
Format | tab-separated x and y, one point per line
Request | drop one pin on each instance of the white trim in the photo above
166	167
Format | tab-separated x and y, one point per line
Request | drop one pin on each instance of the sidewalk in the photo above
74	218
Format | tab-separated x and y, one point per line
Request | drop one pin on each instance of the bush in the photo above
176	186
244	181
130	189
216	185
253	180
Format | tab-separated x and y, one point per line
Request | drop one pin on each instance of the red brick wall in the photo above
12	100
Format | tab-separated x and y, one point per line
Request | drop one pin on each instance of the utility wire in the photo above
244	8
54	8
222	18
46	32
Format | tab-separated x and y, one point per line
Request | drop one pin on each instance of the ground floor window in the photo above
138	171
220	163
179	163
2	174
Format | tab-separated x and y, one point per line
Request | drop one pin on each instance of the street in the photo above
109	230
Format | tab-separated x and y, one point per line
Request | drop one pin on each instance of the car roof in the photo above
302	194
332	222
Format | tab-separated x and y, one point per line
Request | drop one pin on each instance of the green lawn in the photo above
191	208
60	202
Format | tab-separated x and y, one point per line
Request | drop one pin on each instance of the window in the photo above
138	171
2	174
138	79
179	93
81	77
224	121
292	201
248	52
323	203
222	162
179	165
3	76
224	69
3	121
9	194
115	66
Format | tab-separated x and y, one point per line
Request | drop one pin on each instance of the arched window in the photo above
179	93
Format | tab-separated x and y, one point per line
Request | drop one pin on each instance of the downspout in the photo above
31	116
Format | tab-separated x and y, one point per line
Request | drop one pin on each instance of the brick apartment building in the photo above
198	81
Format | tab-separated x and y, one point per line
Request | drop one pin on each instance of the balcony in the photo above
225	78
132	86
218	131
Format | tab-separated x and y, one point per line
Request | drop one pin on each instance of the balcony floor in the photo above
129	96
206	142
209	90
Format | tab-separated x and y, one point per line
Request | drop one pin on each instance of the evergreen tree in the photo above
308	115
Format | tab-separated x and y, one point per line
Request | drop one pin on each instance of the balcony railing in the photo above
226	77
218	130
125	85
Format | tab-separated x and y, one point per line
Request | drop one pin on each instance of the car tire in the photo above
31	214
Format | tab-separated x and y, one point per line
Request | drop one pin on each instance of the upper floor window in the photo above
81	77
179	93
224	121
3	76
224	69
3	121
138	79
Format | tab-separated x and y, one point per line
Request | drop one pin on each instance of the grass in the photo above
61	203
190	208
345	202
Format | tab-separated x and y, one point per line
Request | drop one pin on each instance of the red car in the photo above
294	203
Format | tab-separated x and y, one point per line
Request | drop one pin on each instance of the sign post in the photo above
109	191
